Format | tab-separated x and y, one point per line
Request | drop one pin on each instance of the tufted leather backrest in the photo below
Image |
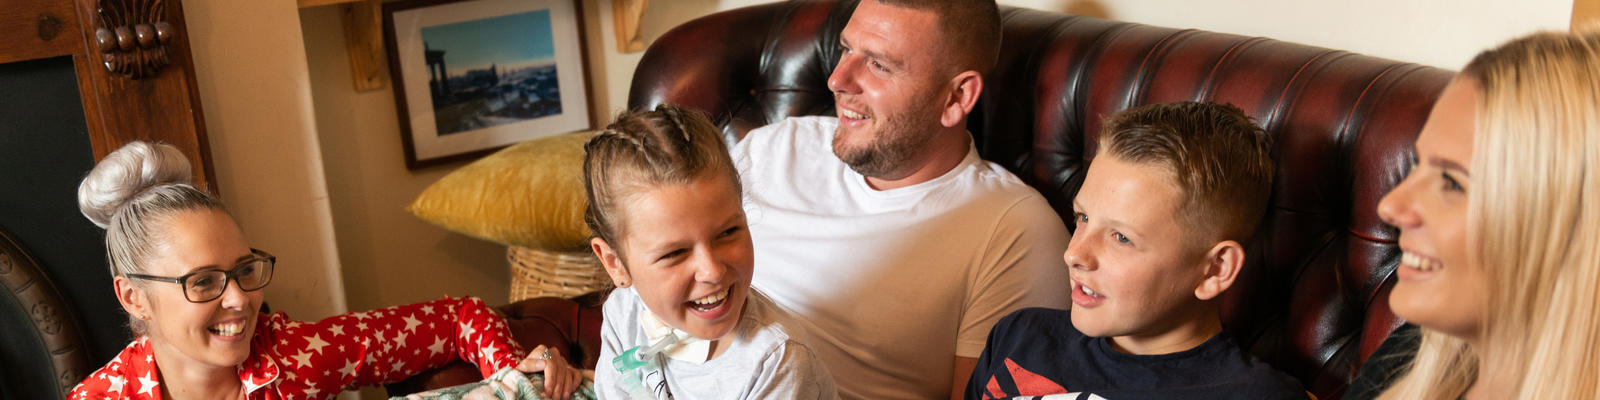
1312	299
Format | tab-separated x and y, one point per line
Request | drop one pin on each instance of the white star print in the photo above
373	353
146	385
361	326
316	344
349	369
304	358
116	383
437	347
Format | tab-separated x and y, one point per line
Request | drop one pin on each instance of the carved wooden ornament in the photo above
132	36
50	323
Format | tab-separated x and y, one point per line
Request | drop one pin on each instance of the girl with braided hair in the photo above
665	204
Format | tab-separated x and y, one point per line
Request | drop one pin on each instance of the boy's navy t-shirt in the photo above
1037	353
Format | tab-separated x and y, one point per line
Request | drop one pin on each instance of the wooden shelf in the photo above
363	37
1585	13
625	16
314	3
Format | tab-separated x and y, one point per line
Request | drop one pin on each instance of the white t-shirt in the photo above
891	285
762	362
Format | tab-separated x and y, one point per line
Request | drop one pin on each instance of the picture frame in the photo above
474	76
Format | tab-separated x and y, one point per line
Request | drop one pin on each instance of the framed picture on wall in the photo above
472	76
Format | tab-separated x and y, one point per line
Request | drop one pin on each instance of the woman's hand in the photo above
560	378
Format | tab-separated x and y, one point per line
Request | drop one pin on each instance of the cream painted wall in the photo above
1443	33
389	256
254	88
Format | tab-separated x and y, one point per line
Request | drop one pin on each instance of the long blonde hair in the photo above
1533	225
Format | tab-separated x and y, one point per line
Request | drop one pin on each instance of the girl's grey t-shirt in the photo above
763	361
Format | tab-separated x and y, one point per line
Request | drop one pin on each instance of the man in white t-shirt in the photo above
895	245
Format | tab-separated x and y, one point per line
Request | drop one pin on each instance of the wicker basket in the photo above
541	273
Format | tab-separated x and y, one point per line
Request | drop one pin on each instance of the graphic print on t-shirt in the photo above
1026	382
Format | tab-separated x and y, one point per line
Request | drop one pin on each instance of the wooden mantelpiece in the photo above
162	106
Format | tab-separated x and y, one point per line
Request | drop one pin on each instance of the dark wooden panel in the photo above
33	29
60	110
164	107
44	152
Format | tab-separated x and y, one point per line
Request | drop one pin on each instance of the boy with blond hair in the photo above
1174	191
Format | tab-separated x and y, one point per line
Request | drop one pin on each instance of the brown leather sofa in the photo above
1313	297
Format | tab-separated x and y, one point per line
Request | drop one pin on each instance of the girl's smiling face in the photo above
686	249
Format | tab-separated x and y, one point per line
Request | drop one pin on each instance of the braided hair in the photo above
641	149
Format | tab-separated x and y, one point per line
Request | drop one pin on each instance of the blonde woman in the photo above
1500	227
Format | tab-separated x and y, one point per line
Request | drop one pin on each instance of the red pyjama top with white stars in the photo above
317	360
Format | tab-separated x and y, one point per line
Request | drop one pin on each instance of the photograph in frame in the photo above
473	76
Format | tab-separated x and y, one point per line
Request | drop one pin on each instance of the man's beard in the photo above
890	150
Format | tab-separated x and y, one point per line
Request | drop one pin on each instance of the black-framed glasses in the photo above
207	285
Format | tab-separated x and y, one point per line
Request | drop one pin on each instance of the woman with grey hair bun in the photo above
191	285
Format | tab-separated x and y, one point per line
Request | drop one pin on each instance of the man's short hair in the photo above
1220	160
970	30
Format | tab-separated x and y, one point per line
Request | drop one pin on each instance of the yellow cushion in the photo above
529	194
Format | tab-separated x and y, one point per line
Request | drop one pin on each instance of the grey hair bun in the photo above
127	172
